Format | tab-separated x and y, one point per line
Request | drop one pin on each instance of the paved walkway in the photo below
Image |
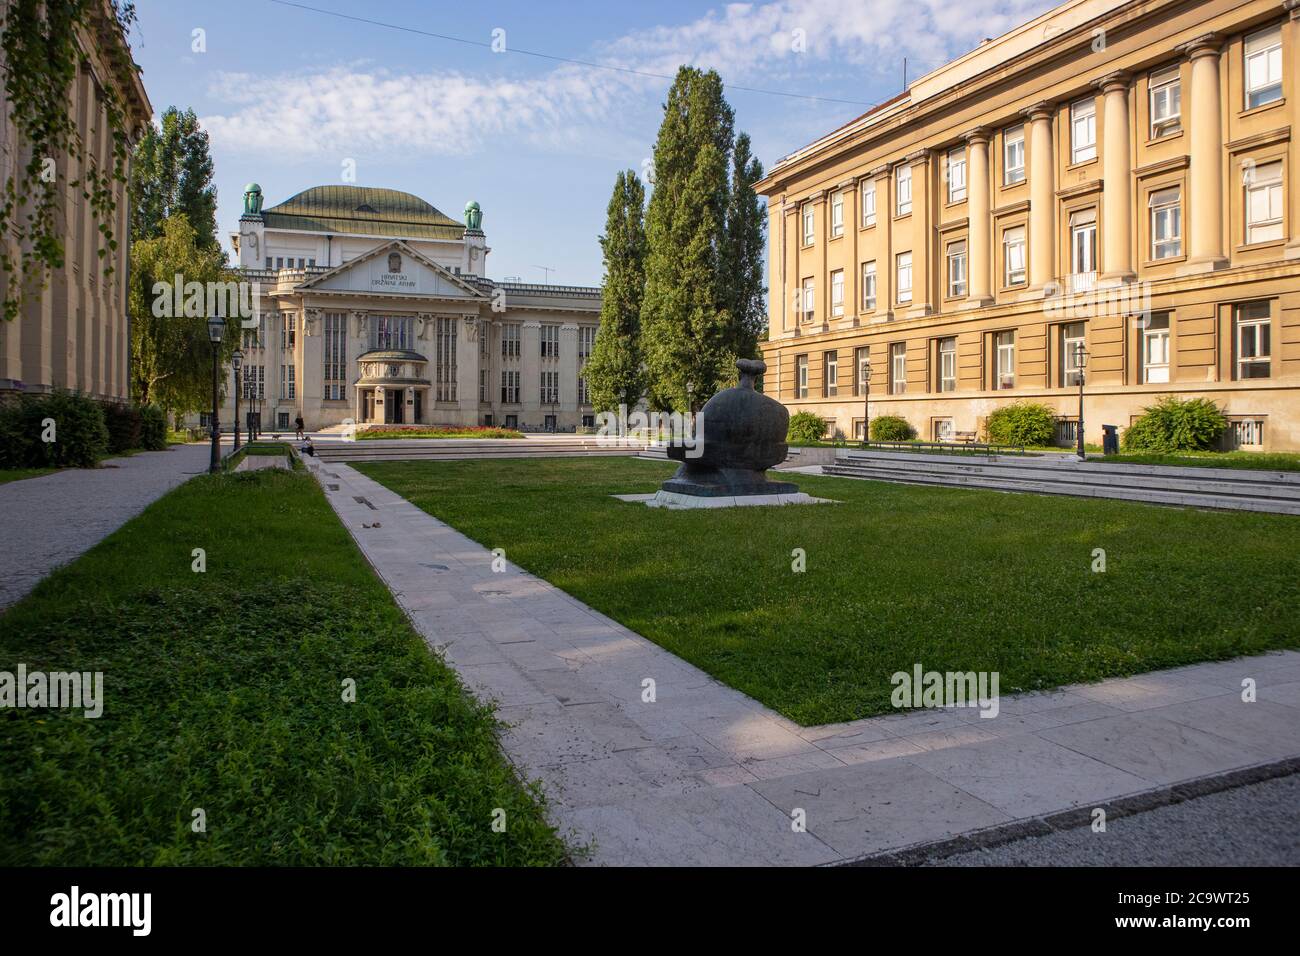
705	775
49	521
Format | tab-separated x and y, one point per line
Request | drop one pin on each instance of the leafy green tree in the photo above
684	319
614	370
742	254
172	173
171	355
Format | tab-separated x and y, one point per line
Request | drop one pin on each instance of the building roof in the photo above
362	210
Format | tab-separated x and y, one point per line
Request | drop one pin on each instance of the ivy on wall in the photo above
41	58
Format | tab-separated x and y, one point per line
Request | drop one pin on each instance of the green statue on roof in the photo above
473	215
252	200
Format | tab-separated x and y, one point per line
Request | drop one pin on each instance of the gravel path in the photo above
1254	825
49	521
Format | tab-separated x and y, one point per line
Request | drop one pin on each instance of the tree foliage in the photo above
41	54
742	254
172	173
171	355
614	370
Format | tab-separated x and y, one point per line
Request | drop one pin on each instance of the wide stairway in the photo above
450	449
1236	489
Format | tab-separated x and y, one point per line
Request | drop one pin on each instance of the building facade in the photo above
373	306
1116	173
74	333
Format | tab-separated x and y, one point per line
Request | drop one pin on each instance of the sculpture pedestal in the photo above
725	483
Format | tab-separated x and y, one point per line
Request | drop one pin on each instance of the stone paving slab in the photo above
48	521
703	775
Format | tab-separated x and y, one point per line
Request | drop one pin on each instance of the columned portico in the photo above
980	228
1117	188
1205	205
1042	202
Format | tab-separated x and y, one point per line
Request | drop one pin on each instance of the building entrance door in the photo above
394	407
418	416
368	405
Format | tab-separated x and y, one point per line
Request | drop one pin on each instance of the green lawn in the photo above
1249	460
18	474
224	691
896	575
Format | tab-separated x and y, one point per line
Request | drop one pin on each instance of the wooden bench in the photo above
964	437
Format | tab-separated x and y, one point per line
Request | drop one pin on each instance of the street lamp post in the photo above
864	376
236	362
1080	363
216	328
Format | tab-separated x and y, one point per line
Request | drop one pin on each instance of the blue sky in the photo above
293	97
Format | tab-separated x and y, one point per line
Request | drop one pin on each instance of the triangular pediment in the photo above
393	268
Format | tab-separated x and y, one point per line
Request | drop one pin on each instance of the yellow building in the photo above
75	333
1115	173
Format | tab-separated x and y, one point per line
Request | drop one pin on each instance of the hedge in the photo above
891	428
1174	424
1021	423
806	427
58	430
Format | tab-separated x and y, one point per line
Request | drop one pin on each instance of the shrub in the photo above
806	427
1174	424
124	426
1021	423
153	428
80	433
891	428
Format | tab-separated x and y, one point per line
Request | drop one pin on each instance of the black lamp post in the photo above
1080	363
237	362
864	376
216	328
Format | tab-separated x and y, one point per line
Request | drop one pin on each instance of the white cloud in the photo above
353	111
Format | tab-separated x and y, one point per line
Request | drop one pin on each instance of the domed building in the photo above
375	306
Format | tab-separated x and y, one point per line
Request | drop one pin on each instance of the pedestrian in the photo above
298	425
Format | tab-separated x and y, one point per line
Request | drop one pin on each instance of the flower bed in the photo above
434	431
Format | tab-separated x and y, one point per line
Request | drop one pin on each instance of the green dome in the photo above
363	210
252	187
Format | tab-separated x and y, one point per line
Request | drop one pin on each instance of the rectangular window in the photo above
550	388
1155	349
957	175
1166	94
1013	255
483	380
288	384
837	292
808	299
311	263
445	361
898	368
1071	343
254	381
255	337
869	203
392	332
1254	349
830	374
957	269
586	340
335	350
550	339
1083	250
837	214
861	365
288	331
584	394
1083	131
943	429
1263	184
801	376
808	232
510	340
1004	344
903	185
904	277
1263	67
948	364
1013	156
1166	223
279	262
268	264
509	387
868	286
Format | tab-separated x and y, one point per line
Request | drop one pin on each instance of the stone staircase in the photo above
440	449
1235	489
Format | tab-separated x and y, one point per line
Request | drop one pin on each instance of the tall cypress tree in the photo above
172	173
742	258
684	317
613	372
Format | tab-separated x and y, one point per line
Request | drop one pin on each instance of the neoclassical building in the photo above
374	306
1115	173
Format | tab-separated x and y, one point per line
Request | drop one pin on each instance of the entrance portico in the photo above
392	388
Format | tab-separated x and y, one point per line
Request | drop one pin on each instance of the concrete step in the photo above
1254	501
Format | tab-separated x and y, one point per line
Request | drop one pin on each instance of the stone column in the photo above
1291	185
1205	202
1042	198
923	244
979	261
1117	176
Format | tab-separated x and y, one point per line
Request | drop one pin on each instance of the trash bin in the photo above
1110	439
